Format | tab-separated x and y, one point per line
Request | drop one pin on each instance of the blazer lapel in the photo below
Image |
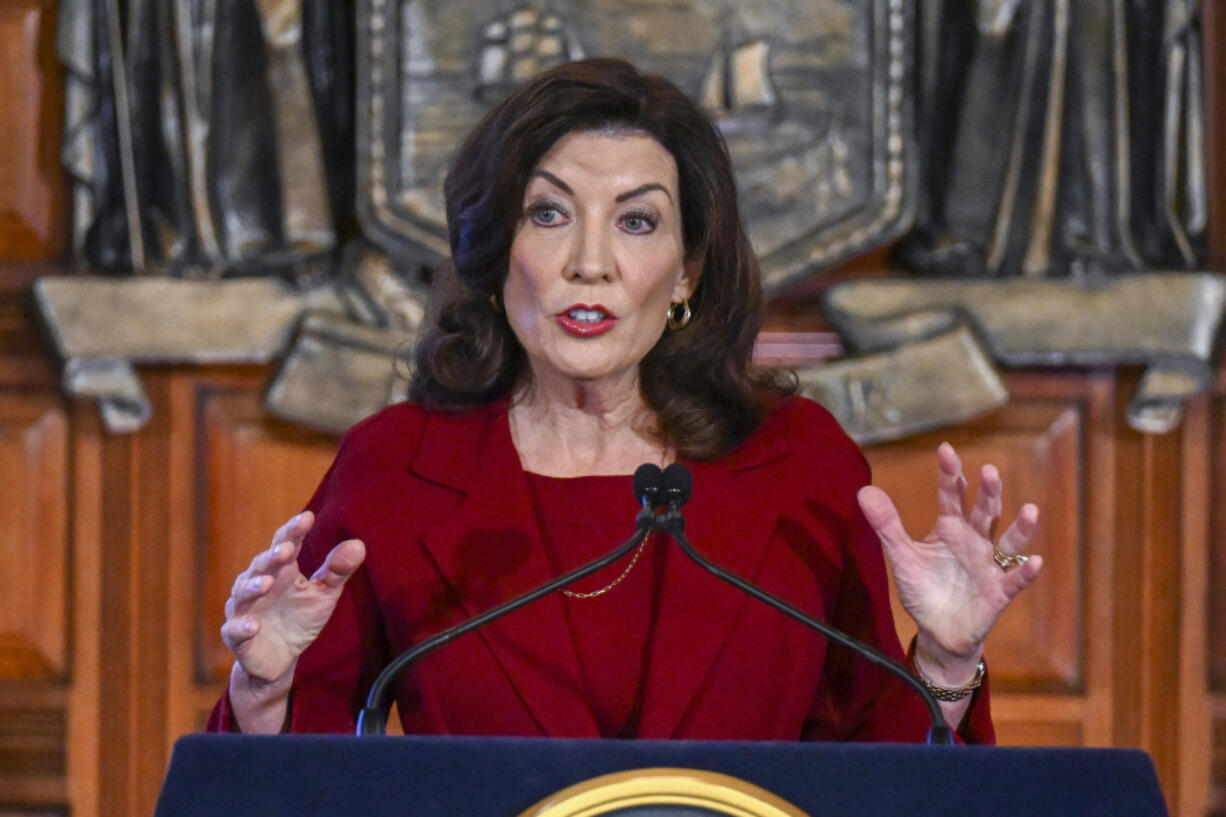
730	521
489	550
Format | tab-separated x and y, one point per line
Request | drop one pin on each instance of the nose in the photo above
591	256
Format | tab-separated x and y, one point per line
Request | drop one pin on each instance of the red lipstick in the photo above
586	321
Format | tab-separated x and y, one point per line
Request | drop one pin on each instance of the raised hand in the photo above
954	582
274	612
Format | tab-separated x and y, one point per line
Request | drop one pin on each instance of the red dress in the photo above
583	519
451	529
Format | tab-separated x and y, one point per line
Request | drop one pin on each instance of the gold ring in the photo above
1007	563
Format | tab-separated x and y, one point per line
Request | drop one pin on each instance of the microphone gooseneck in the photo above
661	495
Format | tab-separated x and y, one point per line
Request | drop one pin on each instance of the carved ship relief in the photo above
784	166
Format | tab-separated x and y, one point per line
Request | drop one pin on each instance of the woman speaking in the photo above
603	316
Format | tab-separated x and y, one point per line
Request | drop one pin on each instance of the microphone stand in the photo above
669	489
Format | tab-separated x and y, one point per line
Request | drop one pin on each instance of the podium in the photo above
301	775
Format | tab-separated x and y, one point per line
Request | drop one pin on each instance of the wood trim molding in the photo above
33	186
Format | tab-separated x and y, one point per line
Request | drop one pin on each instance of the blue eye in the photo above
638	223
546	214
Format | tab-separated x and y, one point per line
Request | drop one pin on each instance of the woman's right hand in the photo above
273	614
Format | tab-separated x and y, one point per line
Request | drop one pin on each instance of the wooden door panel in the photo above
35	662
34	547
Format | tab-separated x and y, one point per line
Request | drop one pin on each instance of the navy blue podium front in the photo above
504	777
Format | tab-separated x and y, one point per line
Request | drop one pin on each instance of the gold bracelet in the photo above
951	694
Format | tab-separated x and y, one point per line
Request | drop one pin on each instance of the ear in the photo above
687	282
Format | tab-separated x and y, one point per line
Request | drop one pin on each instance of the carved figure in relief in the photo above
207	137
212	137
785	165
1058	137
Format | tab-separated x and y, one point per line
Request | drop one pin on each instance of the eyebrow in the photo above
629	194
554	180
641	189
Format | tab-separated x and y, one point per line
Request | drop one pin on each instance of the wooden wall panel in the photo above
1195	738
33	740
85	742
1147	599
37	662
32	185
1215	629
33	515
1047	732
1217	553
134	593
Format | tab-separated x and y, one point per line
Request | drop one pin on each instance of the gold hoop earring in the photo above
678	323
495	304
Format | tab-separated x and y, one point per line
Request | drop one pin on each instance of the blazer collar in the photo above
458	448
727	520
472	452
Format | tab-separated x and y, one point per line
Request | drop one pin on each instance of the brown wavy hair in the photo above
699	381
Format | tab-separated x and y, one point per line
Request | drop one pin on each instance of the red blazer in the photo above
442	503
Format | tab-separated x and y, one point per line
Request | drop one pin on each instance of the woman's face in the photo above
597	257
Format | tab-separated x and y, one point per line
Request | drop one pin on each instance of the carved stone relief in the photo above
1059	138
815	99
1062	156
341	338
1167	321
204	139
811	96
102	326
909	389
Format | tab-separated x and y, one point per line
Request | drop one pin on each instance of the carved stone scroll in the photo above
1168	321
101	326
340	372
913	388
113	383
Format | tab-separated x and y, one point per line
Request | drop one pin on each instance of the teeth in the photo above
588	315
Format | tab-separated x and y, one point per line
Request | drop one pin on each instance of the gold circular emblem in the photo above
696	791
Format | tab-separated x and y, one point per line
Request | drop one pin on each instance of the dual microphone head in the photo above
671	487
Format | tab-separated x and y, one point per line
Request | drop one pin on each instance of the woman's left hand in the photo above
949	581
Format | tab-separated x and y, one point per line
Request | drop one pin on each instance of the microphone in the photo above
648	490
677	486
648	480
